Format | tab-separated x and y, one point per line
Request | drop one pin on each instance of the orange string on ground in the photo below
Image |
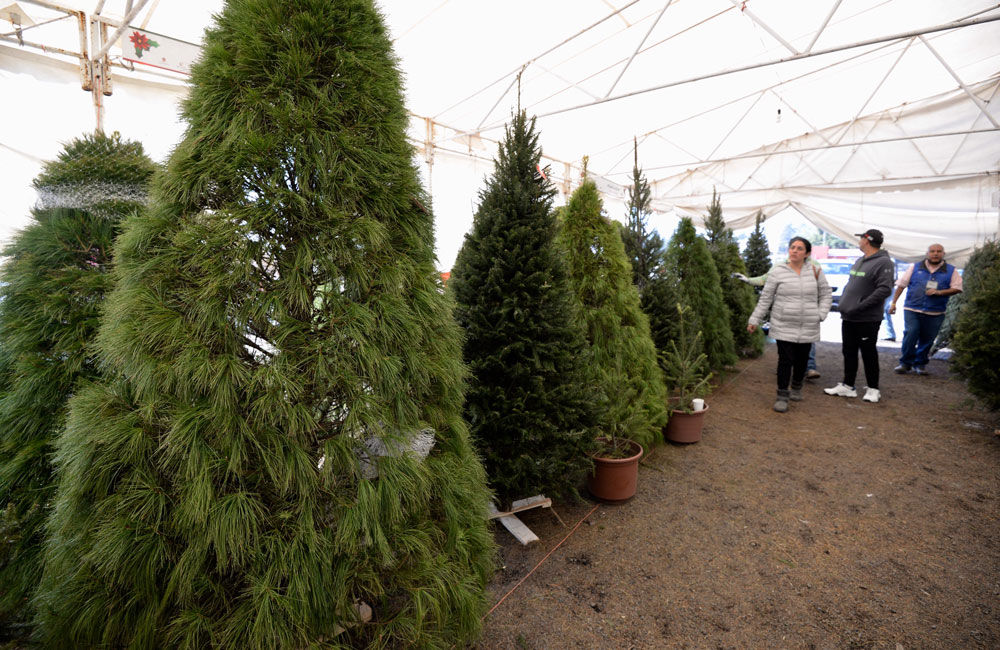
540	562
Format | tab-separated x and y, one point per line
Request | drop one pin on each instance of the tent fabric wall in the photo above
958	213
917	191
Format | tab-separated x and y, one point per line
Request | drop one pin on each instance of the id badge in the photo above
932	284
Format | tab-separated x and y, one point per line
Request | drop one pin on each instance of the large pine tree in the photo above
757	254
739	297
51	289
529	404
633	395
284	357
699	288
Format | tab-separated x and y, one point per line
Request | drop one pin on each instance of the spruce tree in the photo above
739	296
283	356
643	246
757	254
659	303
623	357
984	257
974	339
698	285
529	404
51	289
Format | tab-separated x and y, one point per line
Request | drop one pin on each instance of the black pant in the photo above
860	336
792	361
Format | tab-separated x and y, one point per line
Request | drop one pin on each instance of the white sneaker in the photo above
872	395
842	390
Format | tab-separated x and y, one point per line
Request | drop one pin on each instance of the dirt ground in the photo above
840	524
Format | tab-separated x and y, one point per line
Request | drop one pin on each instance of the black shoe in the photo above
902	369
889	338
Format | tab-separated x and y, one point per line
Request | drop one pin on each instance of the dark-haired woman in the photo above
799	298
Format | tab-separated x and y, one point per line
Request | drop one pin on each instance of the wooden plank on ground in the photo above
537	501
516	527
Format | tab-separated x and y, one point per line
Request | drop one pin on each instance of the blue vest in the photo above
915	296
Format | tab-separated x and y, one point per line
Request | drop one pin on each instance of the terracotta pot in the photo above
614	480
686	427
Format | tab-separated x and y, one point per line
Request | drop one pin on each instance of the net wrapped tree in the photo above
739	296
530	403
690	262
51	289
283	351
623	357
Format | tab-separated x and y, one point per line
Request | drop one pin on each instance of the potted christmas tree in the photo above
632	407
686	367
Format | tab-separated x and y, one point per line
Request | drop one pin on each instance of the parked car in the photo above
837	272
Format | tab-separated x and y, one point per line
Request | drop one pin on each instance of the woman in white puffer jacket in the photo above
799	298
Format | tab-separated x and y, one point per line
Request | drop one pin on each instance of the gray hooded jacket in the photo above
863	300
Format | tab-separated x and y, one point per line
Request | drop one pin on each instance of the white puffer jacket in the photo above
798	303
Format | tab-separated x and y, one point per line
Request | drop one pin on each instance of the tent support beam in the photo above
118	32
830	50
742	7
966	137
822	27
903	138
637	48
565	80
954	75
533	59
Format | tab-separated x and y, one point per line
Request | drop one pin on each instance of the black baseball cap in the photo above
873	236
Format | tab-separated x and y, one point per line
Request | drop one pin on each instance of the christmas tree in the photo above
529	404
51	289
698	285
281	454
757	254
739	297
977	350
633	395
643	246
659	302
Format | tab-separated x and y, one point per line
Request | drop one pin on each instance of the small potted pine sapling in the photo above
615	476
686	368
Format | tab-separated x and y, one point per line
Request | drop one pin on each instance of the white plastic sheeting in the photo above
865	121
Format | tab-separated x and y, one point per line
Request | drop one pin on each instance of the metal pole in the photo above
754	66
118	32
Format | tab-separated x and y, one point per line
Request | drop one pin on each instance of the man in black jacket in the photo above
861	311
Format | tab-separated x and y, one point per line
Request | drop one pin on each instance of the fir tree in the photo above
983	258
284	357
529	405
974	337
643	246
690	261
757	254
51	289
739	296
633	395
659	303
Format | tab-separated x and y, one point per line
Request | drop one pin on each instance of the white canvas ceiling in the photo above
900	132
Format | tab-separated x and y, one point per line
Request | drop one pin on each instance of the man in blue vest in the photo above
928	286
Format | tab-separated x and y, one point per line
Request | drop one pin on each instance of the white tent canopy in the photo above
856	113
